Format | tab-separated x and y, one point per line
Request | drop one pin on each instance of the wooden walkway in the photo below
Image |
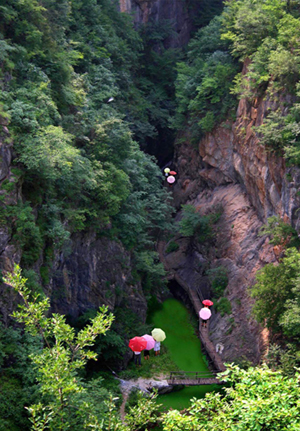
196	298
195	382
191	378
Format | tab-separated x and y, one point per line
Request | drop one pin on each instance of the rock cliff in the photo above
90	272
230	168
177	12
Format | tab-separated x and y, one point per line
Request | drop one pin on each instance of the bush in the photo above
172	246
223	306
219	280
193	224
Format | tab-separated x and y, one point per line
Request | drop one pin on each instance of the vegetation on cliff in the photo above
75	97
83	93
265	34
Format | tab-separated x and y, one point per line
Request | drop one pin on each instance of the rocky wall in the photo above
88	273
178	13
230	168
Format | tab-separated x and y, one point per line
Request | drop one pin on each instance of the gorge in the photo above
91	91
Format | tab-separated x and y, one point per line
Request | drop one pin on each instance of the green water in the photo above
185	349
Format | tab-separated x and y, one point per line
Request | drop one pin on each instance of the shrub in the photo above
223	306
193	224
219	280
172	246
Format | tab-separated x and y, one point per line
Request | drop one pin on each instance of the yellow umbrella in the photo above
158	334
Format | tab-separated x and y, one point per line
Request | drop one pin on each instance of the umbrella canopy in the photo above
167	170
207	302
205	313
171	179
150	341
173	173
158	334
137	344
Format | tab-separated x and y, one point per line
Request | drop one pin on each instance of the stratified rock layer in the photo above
96	272
230	168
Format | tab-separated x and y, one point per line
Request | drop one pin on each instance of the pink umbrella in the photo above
205	313
171	179
137	344
150	341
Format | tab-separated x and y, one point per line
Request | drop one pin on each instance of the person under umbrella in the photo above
171	180
207	302
166	171
137	344
158	335
150	344
204	314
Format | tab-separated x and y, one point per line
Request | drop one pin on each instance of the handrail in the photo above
192	374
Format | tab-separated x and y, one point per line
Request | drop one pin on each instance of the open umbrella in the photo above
158	334
167	170
150	341
171	179
207	302
137	344
173	173
205	313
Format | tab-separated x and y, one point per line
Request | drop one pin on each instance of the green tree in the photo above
57	364
274	287
203	82
257	399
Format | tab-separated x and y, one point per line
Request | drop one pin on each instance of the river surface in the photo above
185	349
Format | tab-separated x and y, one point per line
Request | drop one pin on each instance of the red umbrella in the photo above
172	173
137	344
207	302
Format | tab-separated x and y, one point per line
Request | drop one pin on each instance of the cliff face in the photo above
230	168
96	272
177	12
90	272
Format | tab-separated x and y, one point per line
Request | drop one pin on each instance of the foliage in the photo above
264	32
17	378
250	403
222	306
203	82
249	23
194	225
57	364
284	359
276	291
24	230
280	232
144	413
172	246
219	280
79	87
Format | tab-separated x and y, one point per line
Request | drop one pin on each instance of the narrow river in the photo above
185	349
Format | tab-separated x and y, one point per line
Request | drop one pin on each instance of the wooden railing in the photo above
191	374
193	378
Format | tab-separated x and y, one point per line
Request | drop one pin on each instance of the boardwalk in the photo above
195	382
190	378
196	299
